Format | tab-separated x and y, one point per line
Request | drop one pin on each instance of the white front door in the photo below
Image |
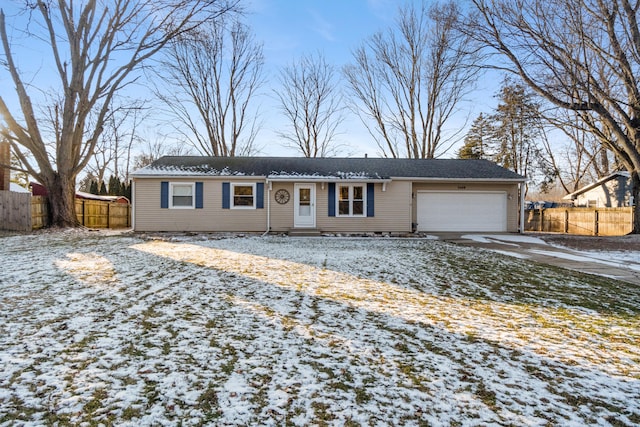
304	203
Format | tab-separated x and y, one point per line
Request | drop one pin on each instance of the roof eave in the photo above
481	180
326	179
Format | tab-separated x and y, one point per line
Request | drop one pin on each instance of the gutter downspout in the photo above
521	208
133	205
269	184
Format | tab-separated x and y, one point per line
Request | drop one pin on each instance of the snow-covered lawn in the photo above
201	329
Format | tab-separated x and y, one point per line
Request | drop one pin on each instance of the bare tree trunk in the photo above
635	192
61	200
93	50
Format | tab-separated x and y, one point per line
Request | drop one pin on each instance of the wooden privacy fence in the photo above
23	212
39	212
585	221
15	211
100	214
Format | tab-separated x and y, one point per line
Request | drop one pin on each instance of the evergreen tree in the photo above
94	188
517	128
477	141
114	186
103	189
126	190
518	133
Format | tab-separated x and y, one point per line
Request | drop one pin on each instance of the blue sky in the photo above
288	29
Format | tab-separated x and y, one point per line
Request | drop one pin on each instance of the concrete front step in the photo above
306	232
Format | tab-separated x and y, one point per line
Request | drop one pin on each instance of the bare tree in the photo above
96	48
411	79
113	152
312	103
583	158
156	149
581	55
212	74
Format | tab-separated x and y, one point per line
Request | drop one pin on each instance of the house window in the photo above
351	200
182	195
243	196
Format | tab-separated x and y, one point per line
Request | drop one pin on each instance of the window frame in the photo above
182	184
232	201
351	200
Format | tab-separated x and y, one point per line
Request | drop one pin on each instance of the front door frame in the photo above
304	221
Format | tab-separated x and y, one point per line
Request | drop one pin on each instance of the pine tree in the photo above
103	189
126	190
476	143
114	186
94	189
517	128
518	132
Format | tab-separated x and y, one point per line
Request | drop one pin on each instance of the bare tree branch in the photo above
96	47
217	70
312	104
410	80
580	55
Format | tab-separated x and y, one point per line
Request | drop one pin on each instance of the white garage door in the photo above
461	211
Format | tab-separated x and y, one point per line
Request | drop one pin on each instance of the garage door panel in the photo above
462	211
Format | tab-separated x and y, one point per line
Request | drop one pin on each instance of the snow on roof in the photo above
182	170
105	198
282	175
328	168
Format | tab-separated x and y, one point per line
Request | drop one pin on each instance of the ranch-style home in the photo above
328	195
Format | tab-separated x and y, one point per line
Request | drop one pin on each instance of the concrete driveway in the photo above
601	263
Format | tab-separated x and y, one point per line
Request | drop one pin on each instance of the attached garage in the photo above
462	211
342	195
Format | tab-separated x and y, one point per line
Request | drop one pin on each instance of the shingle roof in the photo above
327	167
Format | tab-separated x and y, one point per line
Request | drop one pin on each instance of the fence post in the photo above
566	220
596	218
541	218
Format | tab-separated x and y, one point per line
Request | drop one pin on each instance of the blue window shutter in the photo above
199	195
164	195
370	201
226	195
332	199
260	195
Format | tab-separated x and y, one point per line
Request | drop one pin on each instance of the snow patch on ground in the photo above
504	238
190	330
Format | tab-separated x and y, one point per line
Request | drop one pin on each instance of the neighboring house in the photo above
612	191
333	195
